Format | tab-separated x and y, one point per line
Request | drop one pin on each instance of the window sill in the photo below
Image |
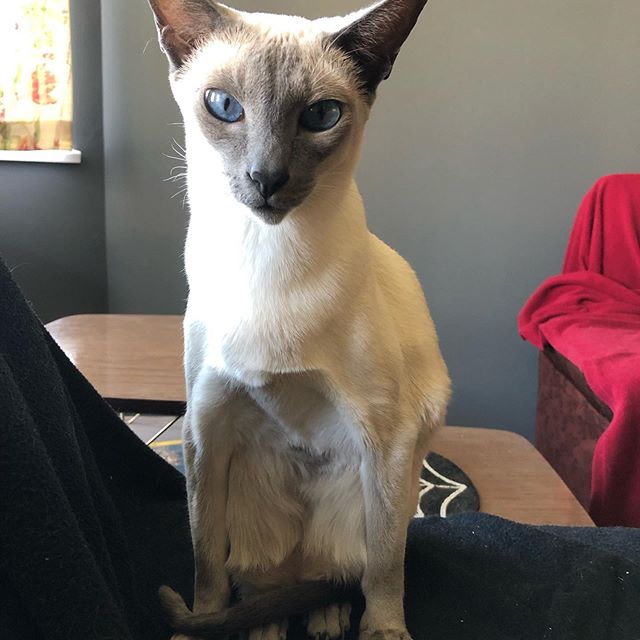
56	156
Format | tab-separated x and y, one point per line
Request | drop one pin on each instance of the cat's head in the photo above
276	104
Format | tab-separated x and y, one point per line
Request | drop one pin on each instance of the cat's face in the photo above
277	105
281	112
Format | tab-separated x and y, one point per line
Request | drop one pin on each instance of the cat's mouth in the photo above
270	214
275	207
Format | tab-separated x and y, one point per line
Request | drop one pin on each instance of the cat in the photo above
313	370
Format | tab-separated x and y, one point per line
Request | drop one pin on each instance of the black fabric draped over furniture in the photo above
92	522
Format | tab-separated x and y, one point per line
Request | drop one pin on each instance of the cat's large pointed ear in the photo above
182	25
374	38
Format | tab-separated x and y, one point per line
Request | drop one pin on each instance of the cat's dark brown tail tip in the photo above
173	605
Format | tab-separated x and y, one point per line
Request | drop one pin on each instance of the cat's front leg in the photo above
207	482
208	445
386	474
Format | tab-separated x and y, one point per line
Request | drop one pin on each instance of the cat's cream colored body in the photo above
319	323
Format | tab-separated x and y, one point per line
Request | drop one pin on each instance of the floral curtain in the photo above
35	75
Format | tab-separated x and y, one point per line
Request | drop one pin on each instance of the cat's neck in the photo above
327	233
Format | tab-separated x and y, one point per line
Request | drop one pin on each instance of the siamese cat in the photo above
313	370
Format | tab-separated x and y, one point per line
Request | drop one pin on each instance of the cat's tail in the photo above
255	611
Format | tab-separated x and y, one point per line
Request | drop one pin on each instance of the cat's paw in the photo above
330	623
384	634
270	632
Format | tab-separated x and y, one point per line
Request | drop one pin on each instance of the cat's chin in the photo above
270	215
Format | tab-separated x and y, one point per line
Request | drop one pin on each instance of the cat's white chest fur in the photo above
269	297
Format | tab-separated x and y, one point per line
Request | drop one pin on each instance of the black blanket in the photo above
92	522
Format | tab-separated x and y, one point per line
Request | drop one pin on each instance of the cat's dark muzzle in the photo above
273	209
269	214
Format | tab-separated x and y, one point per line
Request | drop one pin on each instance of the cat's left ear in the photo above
183	24
374	38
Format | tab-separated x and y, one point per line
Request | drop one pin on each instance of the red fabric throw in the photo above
591	315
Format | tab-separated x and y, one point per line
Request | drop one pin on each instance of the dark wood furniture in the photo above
570	419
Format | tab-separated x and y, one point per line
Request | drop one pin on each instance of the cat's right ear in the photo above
183	24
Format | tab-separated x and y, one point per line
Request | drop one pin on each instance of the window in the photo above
35	75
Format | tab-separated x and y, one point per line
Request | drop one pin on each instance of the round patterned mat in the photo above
445	489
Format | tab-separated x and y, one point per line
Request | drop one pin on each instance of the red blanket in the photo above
591	315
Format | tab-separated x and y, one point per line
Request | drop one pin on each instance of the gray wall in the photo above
52	215
497	119
144	225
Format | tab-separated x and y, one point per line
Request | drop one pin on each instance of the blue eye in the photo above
223	106
321	116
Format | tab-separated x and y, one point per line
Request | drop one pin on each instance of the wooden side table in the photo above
513	480
135	362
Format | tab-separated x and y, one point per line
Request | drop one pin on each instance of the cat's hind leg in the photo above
270	632
330	623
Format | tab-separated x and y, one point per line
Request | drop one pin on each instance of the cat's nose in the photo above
268	182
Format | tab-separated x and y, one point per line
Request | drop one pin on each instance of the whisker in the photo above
179	152
175	195
183	149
